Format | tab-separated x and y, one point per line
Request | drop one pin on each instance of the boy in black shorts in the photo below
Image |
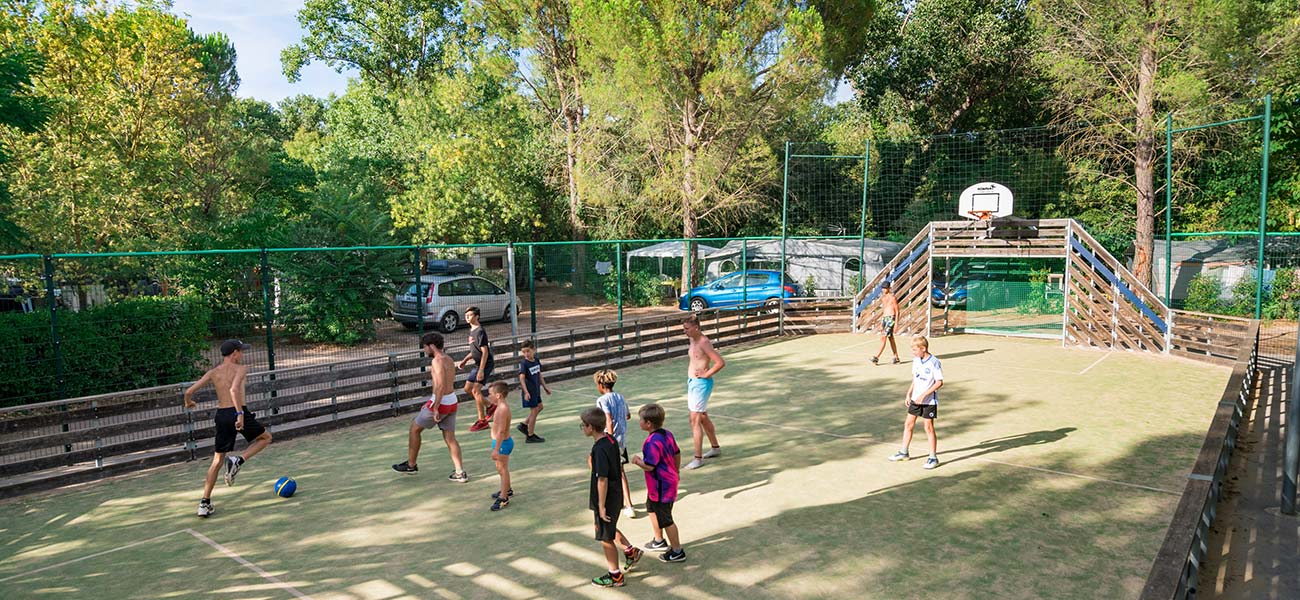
232	417
606	499
484	362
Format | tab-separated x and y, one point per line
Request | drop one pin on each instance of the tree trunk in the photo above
1144	241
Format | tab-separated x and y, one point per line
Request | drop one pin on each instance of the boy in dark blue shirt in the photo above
531	384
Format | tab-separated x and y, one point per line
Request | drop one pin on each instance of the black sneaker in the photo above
630	560
510	493
205	509
875	361
673	556
499	504
523	428
896	361
405	467
459	477
656	545
534	439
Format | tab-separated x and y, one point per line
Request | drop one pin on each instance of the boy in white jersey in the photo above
922	399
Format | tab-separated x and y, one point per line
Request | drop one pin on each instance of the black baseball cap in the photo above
229	347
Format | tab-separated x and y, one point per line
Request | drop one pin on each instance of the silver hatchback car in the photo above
446	297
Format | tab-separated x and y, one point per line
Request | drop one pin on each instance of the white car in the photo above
446	298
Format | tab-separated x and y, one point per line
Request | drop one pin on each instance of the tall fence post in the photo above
785	201
514	293
268	322
417	277
1169	203
1291	460
618	265
862	223
744	284
55	338
532	291
1263	206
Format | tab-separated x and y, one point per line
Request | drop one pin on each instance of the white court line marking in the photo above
976	458
90	556
252	567
1103	357
203	538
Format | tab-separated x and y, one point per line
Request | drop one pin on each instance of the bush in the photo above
1203	293
133	343
1037	301
1243	297
1283	296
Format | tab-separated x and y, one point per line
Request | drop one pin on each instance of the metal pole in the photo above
1263	206
514	296
1169	203
268	322
56	340
419	294
54	330
618	264
785	201
862	224
1291	460
532	292
744	266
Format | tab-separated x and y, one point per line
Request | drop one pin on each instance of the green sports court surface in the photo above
1060	472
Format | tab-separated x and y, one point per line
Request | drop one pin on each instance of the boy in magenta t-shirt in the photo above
661	460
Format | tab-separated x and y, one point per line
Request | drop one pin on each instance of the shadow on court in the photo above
802	503
1003	444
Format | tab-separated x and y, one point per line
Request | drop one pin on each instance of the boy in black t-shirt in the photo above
606	500
531	384
481	355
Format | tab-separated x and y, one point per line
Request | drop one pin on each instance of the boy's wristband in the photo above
239	412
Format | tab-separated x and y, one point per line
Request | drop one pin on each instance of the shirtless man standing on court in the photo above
231	417
704	364
889	303
439	411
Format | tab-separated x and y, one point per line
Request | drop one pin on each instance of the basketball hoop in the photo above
985	202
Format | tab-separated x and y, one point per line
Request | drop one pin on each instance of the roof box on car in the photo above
448	267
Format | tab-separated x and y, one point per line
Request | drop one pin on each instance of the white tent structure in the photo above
831	263
664	250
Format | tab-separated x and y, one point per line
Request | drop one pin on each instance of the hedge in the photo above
129	344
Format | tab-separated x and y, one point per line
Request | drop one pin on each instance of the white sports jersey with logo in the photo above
924	374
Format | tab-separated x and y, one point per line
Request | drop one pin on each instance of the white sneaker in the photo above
232	469
900	455
932	462
205	509
713	453
629	512
695	464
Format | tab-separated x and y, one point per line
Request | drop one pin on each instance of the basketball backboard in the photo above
984	201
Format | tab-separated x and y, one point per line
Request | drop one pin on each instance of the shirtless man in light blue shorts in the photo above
705	362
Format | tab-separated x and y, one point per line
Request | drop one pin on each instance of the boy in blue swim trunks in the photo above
705	362
502	443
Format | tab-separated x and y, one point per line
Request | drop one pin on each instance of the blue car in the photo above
942	295
748	288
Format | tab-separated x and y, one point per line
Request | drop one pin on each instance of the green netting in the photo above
1014	296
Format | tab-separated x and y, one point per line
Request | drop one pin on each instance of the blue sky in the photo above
260	29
